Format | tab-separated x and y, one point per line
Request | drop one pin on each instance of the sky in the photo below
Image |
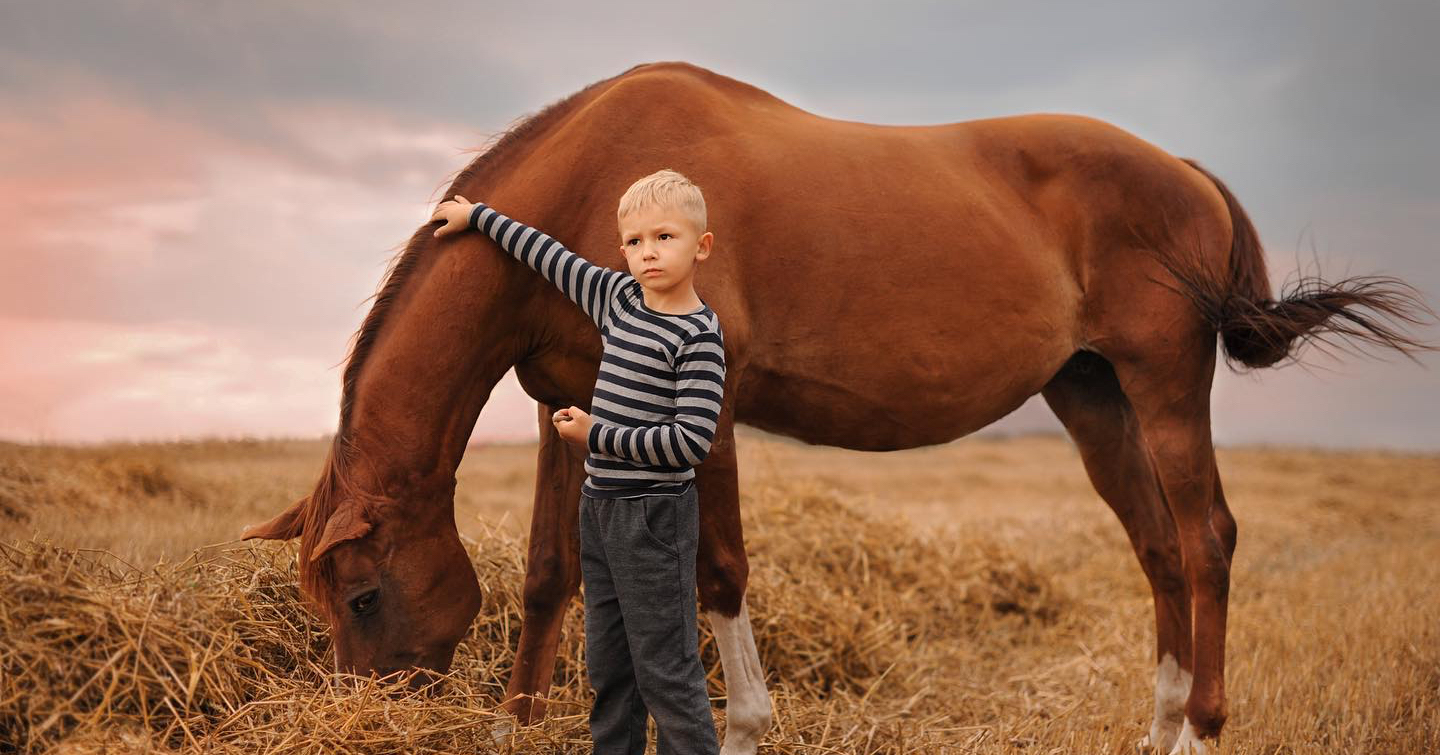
199	197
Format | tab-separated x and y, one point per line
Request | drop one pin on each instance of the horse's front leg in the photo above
552	568
721	574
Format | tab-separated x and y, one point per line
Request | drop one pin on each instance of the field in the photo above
975	597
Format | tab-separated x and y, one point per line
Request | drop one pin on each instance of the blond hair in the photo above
665	189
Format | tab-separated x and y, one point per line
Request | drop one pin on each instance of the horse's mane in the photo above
334	484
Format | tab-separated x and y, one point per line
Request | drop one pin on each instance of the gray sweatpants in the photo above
637	560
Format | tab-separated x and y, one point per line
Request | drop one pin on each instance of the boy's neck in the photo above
681	300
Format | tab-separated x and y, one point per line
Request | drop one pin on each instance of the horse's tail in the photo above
1259	331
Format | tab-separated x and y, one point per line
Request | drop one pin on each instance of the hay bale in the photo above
838	594
218	653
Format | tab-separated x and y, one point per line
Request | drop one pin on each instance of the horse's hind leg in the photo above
1087	398
1169	387
1222	521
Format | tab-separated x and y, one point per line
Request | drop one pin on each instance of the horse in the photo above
881	288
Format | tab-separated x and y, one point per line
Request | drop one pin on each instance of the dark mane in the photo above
333	485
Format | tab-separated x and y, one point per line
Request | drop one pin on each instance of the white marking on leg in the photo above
747	702
1172	689
1189	742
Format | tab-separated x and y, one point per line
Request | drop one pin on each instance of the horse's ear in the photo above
347	523
285	526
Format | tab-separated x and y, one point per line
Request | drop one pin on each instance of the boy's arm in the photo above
699	391
589	285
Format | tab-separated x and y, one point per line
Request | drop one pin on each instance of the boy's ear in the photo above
707	240
286	525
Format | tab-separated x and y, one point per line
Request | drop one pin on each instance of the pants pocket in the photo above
658	519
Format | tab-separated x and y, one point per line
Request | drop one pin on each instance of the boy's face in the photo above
662	246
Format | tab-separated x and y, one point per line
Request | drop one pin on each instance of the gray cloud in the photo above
224	55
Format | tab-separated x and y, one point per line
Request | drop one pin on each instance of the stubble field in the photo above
975	597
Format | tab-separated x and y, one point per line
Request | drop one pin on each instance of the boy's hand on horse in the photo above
456	214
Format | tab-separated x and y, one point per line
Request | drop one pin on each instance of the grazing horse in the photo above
881	288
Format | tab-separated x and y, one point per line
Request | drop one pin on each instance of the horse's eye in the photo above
364	603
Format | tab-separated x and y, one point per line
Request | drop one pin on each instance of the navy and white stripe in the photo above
662	376
588	285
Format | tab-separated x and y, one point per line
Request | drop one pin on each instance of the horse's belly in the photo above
893	399
936	314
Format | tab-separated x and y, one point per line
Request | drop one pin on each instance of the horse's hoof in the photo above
1189	742
1161	738
502	731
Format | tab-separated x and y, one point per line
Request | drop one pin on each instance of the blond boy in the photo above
653	415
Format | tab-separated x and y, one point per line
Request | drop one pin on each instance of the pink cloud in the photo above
88	381
161	278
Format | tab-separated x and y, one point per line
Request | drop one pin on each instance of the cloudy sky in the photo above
198	197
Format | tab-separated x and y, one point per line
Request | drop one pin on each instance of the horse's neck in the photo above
448	337
462	319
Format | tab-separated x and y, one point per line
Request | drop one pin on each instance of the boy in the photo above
656	403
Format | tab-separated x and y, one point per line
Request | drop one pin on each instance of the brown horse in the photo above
881	287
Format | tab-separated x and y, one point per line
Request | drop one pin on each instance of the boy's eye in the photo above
664	235
632	242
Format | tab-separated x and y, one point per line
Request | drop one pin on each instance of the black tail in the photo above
1259	331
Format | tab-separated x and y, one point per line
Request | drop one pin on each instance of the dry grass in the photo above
973	597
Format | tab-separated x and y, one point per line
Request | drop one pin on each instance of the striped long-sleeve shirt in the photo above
662	376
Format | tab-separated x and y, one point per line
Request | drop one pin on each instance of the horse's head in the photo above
392	579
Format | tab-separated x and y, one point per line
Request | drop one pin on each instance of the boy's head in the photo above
665	189
662	230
